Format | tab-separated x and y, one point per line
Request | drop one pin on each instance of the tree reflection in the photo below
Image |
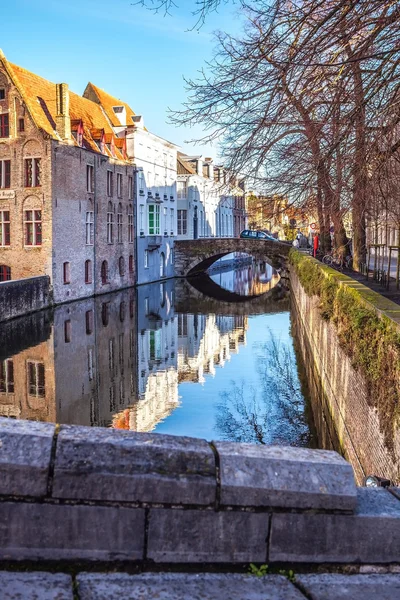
273	412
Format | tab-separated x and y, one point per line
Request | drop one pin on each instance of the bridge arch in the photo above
193	257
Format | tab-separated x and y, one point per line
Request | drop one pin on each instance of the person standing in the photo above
316	244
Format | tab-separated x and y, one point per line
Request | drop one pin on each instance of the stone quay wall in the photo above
340	395
71	494
23	296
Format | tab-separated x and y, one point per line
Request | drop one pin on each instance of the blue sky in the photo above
130	52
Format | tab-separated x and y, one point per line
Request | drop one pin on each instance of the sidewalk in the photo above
201	586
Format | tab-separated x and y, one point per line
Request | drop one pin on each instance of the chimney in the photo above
63	121
199	167
210	170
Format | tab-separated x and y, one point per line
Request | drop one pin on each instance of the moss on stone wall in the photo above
370	339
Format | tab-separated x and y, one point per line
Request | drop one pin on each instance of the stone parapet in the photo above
71	493
23	296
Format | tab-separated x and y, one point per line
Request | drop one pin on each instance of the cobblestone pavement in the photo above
202	586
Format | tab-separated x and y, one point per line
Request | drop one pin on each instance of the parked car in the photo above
256	234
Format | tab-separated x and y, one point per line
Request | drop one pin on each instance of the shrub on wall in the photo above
371	341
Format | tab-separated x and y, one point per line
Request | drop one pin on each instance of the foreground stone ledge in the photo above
185	586
59	532
350	587
101	464
25	453
189	536
285	476
35	586
371	535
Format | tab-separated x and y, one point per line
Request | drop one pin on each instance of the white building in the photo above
155	190
205	200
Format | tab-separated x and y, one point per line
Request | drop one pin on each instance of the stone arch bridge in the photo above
193	257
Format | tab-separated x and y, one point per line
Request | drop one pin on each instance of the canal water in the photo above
167	357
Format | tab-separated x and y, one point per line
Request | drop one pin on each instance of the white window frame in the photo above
90	178
89	228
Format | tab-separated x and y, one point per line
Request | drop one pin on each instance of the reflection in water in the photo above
252	279
273	412
129	361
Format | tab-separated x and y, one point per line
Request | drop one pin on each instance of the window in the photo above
131	264
89	228
110	224
121	266
130	224
141	181
111	354
7	377
119	185
2	94
182	222
5	273
88	271
119	223
89	178
67	331
141	207
4	228
32	172
33	228
89	321
109	183
130	187
90	363
165	219
105	313
182	325
5	173
104	272
67	272
36	379
4	126
181	187
154	219
146	259
172	215
21	125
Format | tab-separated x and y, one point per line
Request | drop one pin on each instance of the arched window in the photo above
104	272
130	223
119	223
121	265
104	313
110	223
131	264
162	264
5	273
88	271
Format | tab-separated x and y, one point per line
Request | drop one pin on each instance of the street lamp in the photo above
373	481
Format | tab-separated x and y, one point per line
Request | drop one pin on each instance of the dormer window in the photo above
118	109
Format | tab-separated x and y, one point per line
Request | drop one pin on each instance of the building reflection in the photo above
251	279
116	360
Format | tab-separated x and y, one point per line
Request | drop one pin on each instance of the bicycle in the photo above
338	261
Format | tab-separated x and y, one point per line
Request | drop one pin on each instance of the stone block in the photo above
350	587
34	586
101	464
60	532
25	452
190	536
371	535
285	477
185	586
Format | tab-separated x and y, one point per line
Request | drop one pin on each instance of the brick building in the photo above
66	189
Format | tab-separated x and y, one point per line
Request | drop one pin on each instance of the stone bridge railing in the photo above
70	493
192	257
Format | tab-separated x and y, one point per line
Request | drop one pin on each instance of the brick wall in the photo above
339	394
